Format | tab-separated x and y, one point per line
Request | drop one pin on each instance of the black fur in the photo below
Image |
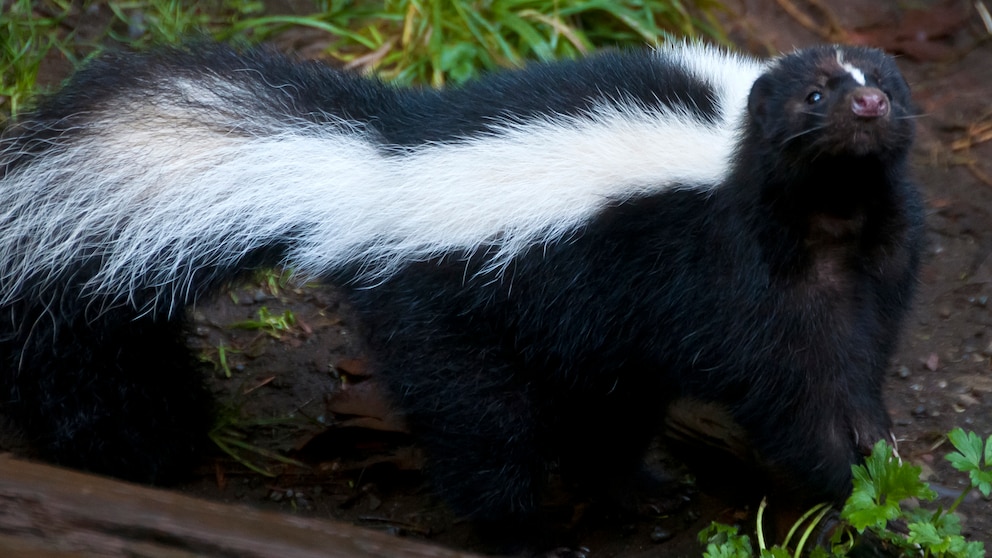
777	295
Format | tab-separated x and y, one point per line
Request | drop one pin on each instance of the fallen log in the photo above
46	512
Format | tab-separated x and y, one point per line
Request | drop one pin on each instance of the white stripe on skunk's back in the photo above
170	189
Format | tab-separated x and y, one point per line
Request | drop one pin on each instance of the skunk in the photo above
543	259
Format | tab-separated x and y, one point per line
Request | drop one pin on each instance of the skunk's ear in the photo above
758	102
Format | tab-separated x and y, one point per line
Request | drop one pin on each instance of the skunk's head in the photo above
833	101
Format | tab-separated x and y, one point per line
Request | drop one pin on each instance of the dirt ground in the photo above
303	391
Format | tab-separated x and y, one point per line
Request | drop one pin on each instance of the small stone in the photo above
967	399
660	535
903	372
374	502
566	552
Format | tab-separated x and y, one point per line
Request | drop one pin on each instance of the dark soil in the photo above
304	391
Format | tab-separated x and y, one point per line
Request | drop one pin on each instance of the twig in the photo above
983	13
832	31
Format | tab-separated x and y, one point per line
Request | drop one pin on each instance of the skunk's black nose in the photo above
869	102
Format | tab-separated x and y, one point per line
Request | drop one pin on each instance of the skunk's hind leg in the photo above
603	434
479	431
479	436
475	421
114	394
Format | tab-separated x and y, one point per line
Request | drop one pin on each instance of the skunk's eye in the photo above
814	97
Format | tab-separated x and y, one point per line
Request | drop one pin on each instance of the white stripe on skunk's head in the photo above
857	73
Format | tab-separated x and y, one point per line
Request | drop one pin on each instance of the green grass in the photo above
229	435
29	35
272	324
167	21
436	42
32	32
409	41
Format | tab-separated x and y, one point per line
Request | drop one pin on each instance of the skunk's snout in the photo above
869	102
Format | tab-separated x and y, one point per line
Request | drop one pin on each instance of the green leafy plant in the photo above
875	510
971	458
725	541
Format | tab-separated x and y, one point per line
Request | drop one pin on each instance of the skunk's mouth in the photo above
860	137
866	138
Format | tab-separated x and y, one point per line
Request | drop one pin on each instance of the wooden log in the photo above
47	512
